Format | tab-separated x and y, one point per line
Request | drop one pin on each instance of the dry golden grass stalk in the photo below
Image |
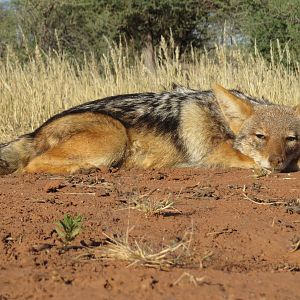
32	92
153	207
295	246
171	255
191	278
261	201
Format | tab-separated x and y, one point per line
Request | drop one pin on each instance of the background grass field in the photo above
50	83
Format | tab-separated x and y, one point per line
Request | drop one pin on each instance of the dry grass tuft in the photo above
172	255
152	207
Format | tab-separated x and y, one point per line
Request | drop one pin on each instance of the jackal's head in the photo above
269	134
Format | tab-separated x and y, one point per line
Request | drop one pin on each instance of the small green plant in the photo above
69	227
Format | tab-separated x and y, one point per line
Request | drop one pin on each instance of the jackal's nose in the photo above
276	160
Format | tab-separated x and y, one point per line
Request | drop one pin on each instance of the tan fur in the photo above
199	132
279	147
63	128
297	109
93	141
235	110
224	155
151	150
227	130
98	140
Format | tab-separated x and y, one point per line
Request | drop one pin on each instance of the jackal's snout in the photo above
277	162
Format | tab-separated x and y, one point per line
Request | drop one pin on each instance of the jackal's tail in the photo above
16	154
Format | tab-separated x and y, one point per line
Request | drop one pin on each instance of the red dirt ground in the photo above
229	213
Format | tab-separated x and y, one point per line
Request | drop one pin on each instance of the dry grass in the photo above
172	255
151	207
48	84
191	278
295	245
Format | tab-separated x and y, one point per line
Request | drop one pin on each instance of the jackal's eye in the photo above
260	136
291	138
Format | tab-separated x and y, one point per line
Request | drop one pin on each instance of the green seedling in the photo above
69	227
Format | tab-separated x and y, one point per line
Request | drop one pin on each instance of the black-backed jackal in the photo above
184	127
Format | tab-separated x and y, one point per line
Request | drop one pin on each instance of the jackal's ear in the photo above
297	109
234	109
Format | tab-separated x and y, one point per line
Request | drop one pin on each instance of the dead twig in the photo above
193	279
261	201
91	194
295	246
205	257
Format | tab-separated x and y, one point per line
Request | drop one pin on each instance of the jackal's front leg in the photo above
224	155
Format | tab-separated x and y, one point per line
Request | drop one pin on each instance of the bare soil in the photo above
244	232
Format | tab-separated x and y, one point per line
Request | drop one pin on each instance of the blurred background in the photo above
84	26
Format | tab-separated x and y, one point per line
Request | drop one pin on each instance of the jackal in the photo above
180	128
